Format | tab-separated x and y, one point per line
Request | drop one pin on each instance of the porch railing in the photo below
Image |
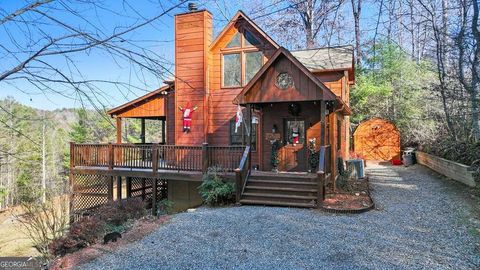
242	173
155	156
324	171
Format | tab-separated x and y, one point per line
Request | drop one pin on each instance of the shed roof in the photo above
329	58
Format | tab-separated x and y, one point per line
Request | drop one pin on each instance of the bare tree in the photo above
468	44
44	33
357	11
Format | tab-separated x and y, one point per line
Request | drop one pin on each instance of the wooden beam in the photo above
119	130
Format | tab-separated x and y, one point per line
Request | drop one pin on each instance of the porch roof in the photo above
306	87
151	105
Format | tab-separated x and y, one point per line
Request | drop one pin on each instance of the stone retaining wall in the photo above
454	170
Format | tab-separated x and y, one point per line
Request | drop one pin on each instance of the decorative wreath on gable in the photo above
294	109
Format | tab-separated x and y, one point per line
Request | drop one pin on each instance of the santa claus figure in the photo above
295	135
187	116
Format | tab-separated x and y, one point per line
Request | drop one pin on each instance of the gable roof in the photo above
238	15
138	101
329	58
327	94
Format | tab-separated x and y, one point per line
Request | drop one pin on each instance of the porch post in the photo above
323	110
119	130
142	130
249	142
163	131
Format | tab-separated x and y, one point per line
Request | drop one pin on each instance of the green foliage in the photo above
26	190
111	217
274	159
80	133
395	87
215	190
165	207
119	212
313	155
3	193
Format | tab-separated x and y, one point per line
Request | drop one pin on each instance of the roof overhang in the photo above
238	15
326	93
142	105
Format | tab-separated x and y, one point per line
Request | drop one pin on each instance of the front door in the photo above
292	154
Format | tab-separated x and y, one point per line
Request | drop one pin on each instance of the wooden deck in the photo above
172	162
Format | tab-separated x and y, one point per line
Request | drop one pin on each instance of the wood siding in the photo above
265	89
193	34
221	107
153	107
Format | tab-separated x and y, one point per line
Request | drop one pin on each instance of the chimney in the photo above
193	35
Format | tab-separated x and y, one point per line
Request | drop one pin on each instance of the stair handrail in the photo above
242	173
321	173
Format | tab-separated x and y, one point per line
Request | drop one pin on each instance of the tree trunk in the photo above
357	9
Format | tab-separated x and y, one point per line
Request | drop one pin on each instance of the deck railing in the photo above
156	156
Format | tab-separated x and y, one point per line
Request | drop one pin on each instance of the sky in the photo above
94	64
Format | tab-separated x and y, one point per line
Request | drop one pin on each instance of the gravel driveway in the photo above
422	222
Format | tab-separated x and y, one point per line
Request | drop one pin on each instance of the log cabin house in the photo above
288	99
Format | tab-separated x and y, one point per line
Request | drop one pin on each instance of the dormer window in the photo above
241	59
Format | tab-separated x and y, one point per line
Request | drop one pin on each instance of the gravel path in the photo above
422	222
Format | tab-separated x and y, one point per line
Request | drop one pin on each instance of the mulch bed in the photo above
139	229
347	203
356	200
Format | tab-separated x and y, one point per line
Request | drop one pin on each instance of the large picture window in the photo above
241	137
231	70
241	60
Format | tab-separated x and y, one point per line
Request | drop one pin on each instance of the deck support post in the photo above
128	184
154	196
205	157
119	188
110	188
144	186
70	182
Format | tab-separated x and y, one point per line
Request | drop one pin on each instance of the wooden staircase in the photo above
281	189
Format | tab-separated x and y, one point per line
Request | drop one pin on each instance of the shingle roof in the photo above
330	58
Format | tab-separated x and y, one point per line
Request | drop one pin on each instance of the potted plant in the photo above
312	155
274	160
